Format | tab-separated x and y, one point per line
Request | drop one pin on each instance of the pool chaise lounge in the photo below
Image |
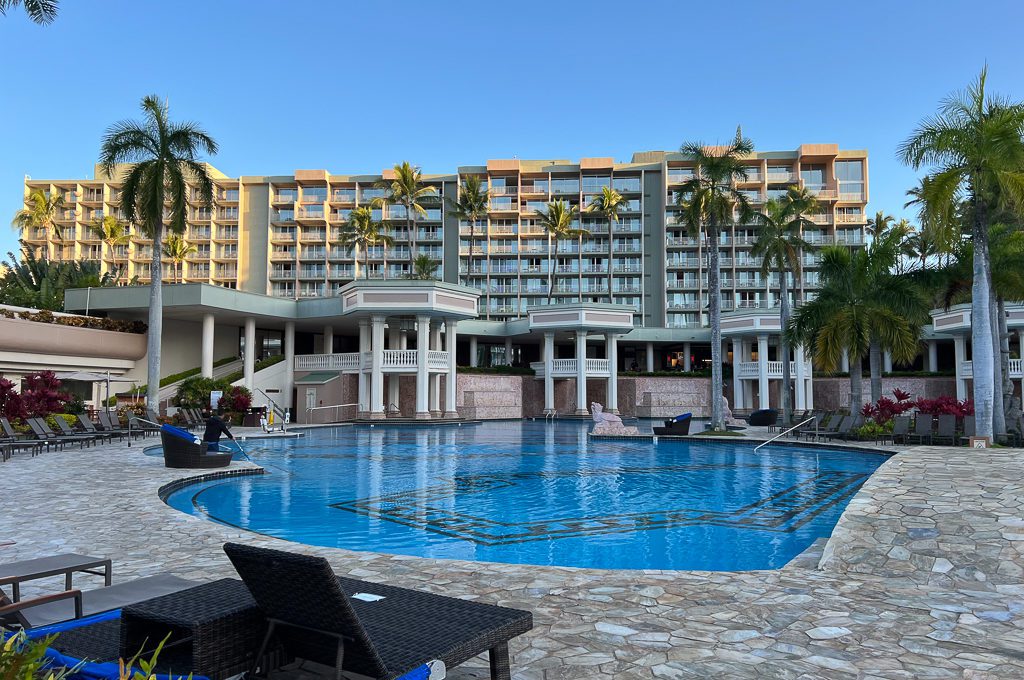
184	450
680	425
379	631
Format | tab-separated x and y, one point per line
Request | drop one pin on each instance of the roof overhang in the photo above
600	318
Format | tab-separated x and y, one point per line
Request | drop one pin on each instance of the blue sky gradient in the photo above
356	87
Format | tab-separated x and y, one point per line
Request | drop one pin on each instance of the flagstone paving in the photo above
922	577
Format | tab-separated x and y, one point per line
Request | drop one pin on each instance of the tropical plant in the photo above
41	213
879	224
557	219
236	399
607	205
112	232
779	244
945	405
163	158
943	227
360	230
177	249
424	267
40	283
22	658
11	404
885	409
471	206
709	201
407	190
42	395
974	147
39	11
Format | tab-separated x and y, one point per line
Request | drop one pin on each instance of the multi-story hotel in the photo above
278	235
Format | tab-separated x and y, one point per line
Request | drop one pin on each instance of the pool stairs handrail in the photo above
783	434
310	409
141	420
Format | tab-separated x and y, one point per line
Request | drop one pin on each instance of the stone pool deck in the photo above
922	578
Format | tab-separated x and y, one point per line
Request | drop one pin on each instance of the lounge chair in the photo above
40	436
87	426
185	450
828	425
375	630
766	417
922	428
111	423
842	429
679	426
900	428
965	438
808	429
136	425
945	430
10	434
851	432
66	431
43	431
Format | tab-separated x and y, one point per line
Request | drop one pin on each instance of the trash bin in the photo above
253	415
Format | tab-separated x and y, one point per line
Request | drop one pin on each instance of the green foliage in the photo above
424	268
96	322
195	392
236	399
39	11
871	429
51	421
24	659
174	377
74	405
40	283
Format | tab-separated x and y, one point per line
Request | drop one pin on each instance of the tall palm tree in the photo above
470	206
407	190
608	205
39	11
975	148
177	249
709	200
424	268
879	224
557	218
361	231
162	158
112	232
943	228
779	243
41	213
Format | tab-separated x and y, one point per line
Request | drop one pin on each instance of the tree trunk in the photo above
579	274
1011	402
875	366
856	384
981	325
611	258
156	320
715	313
787	405
410	225
998	412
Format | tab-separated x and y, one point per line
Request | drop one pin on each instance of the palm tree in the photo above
39	11
407	190
779	244
975	148
709	200
424	268
471	206
608	205
360	230
177	249
879	224
41	213
557	218
163	160
943	228
112	232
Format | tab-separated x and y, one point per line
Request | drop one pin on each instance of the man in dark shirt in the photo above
215	427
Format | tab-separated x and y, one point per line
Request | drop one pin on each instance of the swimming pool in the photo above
534	493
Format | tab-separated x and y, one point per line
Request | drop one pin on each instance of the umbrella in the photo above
86	376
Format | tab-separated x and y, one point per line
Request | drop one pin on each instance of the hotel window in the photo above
314	194
593	185
851	178
813	176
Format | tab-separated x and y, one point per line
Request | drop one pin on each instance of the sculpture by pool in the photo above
609	423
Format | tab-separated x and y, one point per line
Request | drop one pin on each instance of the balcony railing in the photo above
566	368
1016	370
752	369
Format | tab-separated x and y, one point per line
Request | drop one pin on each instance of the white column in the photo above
933	356
762	371
435	378
887	362
612	350
206	364
549	367
328	347
376	375
289	359
450	338
581	373
686	357
844	362
801	381
650	357
422	376
472	351
737	383
959	352
394	342
508	351
809	388
249	361
364	346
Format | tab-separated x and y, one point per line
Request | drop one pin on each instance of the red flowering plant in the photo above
236	399
943	406
41	394
885	409
11	404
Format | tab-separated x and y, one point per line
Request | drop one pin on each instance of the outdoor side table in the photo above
215	629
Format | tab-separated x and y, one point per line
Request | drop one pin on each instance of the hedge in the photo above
260	365
94	322
175	377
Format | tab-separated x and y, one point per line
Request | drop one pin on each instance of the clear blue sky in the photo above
356	87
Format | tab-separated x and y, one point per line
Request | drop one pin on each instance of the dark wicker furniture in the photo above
322	617
763	417
185	453
676	426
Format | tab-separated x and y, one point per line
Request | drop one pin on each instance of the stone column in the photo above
581	373
612	350
933	356
394	342
450	338
206	364
762	371
738	399
422	376
886	362
809	388
686	357
289	359
650	357
801	381
472	352
328	347
549	367
959	352
364	346
508	351
435	378
249	361
844	362
376	374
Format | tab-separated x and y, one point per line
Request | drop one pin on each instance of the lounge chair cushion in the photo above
180	433
680	418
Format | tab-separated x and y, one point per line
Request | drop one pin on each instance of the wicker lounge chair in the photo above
766	417
184	450
680	425
375	630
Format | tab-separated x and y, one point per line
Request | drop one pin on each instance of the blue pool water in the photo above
535	493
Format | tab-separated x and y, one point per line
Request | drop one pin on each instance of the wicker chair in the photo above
182	451
375	630
680	426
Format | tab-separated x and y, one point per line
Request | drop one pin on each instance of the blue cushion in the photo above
178	432
681	418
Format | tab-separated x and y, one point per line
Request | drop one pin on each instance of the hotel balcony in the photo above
967	369
566	368
393	361
750	370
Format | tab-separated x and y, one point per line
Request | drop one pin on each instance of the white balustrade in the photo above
1016	370
566	368
437	360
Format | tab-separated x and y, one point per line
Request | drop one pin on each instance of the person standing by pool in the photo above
215	427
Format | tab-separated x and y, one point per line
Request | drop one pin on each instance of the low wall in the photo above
834	393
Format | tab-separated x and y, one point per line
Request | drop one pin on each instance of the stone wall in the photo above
834	393
486	397
654	397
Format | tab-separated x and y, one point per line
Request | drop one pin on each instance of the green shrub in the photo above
24	659
68	418
195	392
871	429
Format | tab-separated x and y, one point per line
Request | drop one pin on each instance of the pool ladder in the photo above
783	434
